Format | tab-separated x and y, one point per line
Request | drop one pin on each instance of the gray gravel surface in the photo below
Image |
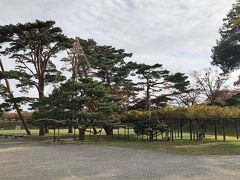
29	161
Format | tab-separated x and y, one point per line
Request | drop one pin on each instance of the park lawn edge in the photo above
180	147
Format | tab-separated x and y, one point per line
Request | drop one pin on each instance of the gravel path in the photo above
29	161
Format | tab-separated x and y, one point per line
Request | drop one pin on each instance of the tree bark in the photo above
236	125
41	95
46	129
70	130
81	133
190	129
94	130
224	132
215	129
54	135
108	129
41	86
41	131
148	96
181	128
11	96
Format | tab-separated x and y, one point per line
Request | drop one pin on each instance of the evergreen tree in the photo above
86	100
226	54
77	59
154	79
109	63
33	46
152	76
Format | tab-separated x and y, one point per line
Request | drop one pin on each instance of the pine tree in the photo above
85	99
33	47
226	54
109	63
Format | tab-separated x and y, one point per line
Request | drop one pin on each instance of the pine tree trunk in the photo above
23	121
190	129
81	133
94	130
181	128
41	95
46	130
215	129
41	131
10	94
148	97
70	130
236	125
224	130
108	129
41	87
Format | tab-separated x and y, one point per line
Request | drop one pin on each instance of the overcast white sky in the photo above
177	33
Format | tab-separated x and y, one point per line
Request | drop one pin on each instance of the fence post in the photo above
215	129
118	132
190	128
236	121
181	128
58	133
74	133
178	129
54	135
128	131
224	132
171	131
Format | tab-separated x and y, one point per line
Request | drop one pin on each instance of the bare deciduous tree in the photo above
188	98
210	83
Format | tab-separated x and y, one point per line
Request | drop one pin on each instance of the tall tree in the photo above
109	64
154	80
85	99
226	54
151	76
33	46
77	59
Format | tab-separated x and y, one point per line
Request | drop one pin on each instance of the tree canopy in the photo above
33	46
226	54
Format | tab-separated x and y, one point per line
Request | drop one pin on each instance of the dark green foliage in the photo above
151	72
107	62
154	80
86	100
12	102
24	79
35	45
152	76
233	101
226	54
179	82
32	46
110	65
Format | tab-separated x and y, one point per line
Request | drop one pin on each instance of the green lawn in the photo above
185	146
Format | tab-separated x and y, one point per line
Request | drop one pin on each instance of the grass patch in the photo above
185	146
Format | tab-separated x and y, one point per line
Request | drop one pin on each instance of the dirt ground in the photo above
29	161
